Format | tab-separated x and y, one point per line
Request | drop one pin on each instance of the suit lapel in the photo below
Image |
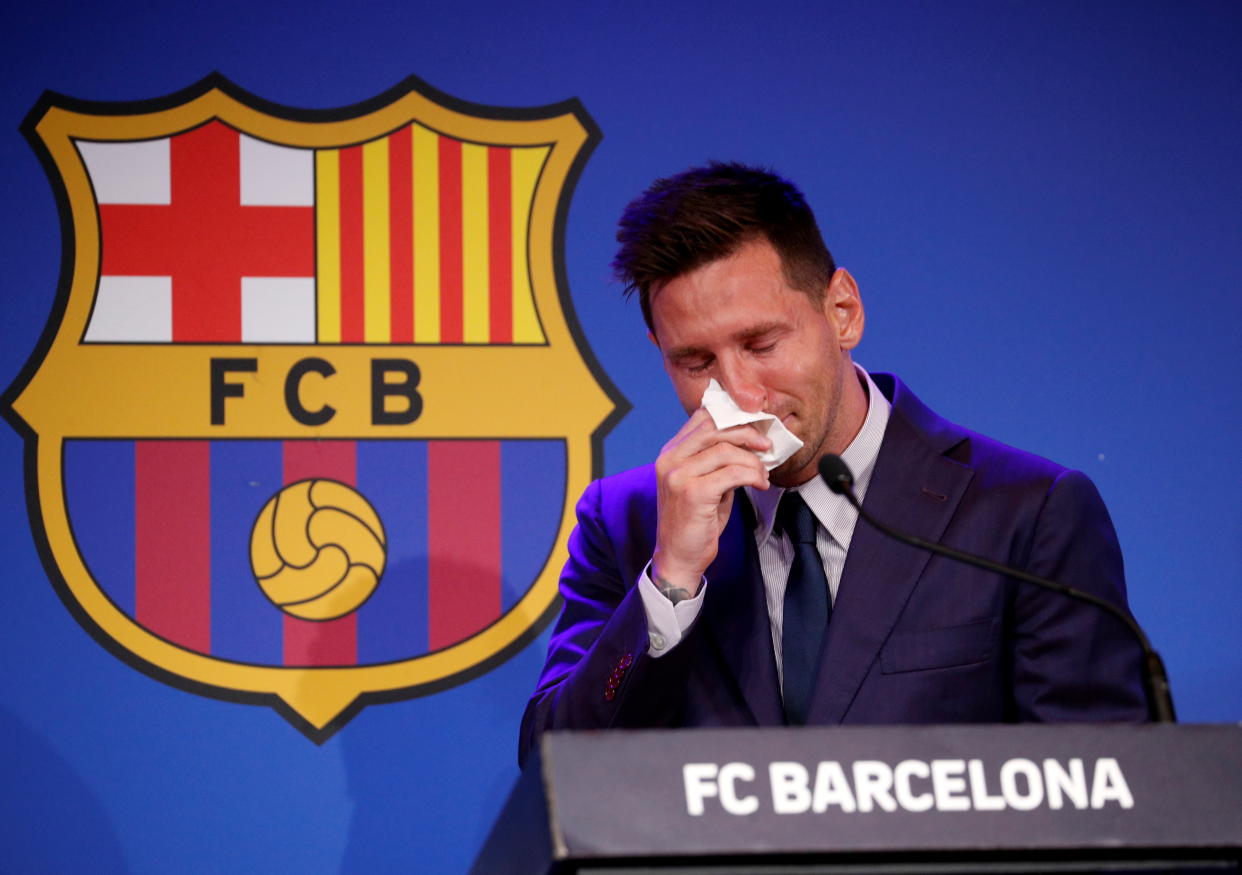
915	489
736	616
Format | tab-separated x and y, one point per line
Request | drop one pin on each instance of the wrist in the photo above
674	583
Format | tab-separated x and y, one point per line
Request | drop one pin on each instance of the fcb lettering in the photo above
394	389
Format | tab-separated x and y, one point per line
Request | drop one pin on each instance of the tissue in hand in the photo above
726	414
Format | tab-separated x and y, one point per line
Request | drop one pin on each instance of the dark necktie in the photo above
807	607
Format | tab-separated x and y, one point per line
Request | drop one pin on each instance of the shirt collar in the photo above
833	511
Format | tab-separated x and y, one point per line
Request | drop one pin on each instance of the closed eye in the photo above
691	361
763	339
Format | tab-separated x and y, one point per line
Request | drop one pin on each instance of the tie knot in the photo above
795	519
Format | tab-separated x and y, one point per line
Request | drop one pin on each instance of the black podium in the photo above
1075	798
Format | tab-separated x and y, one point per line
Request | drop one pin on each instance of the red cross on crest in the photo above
205	239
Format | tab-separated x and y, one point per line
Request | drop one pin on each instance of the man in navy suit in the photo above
681	590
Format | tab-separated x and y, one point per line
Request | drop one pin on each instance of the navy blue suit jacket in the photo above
913	638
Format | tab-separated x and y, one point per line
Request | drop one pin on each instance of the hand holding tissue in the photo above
726	414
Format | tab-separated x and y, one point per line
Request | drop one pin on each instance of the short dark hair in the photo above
706	213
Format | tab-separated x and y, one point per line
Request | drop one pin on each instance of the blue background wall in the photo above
1039	200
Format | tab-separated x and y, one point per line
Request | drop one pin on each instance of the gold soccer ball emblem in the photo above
317	549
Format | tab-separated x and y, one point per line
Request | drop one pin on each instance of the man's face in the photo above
771	347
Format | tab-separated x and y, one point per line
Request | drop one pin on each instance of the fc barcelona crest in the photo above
306	424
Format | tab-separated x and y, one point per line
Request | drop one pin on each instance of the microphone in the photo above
1155	680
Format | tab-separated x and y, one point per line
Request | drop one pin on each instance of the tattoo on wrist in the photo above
673	593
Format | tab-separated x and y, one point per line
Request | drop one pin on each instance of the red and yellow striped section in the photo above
422	238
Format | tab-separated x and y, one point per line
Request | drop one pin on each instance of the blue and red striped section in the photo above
164	528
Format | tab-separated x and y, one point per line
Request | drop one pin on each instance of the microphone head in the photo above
836	474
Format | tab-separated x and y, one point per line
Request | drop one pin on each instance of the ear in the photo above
652	338
844	309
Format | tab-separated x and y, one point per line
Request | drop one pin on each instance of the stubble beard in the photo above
801	467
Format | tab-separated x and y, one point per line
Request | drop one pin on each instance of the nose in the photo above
744	387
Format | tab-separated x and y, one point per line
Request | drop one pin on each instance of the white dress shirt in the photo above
667	623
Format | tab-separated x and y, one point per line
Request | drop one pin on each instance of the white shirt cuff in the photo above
667	623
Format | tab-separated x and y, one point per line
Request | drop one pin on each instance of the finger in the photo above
724	480
750	437
690	479
696	423
705	434
714	457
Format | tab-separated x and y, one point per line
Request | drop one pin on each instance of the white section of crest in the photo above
129	173
278	309
132	309
276	176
